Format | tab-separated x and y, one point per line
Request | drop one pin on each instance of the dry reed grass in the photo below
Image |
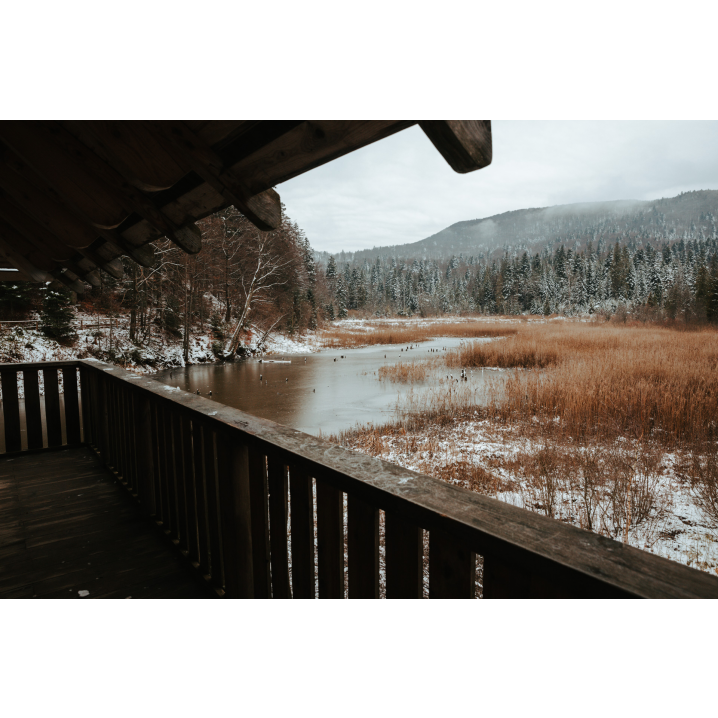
607	380
344	337
405	372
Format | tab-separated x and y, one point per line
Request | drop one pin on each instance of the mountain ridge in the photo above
573	224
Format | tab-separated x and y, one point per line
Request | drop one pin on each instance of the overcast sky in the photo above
401	190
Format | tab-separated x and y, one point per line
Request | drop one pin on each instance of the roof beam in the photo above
464	144
263	210
89	183
306	146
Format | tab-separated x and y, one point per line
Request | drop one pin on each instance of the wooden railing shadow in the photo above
223	485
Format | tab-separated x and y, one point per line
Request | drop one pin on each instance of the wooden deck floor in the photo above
67	526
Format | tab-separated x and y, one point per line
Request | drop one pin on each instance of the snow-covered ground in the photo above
23	343
480	455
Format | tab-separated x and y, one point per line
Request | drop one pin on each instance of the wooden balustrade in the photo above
259	508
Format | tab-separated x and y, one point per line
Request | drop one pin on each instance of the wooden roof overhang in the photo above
77	195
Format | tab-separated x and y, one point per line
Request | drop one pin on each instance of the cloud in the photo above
401	190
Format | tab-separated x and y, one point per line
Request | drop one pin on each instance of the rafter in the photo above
263	210
101	193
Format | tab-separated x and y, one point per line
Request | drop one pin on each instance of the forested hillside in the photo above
657	257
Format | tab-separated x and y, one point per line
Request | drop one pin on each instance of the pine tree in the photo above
57	314
341	298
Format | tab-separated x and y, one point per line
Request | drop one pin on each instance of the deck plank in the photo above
67	524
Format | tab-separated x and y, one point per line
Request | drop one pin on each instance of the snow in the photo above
25	343
682	534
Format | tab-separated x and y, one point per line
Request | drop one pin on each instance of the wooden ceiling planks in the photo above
77	195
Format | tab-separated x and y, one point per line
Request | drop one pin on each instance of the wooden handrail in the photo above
217	479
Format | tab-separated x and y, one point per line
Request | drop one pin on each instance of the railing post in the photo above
145	455
33	414
259	503
404	558
362	548
330	541
11	410
302	505
278	516
72	406
452	567
233	477
86	421
52	407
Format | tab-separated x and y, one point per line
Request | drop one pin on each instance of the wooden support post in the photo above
452	567
11	410
330	541
302	504
145	456
52	407
278	539
362	548
233	477
33	414
191	497
259	502
213	516
179	474
404	558
201	496
72	406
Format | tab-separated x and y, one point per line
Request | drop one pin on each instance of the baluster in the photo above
362	548
163	472
330	541
52	407
180	481
452	567
233	479
404	558
190	496
72	407
259	502
130	433
123	456
11	410
213	521
145	454
302	503
33	413
86	418
201	496
278	539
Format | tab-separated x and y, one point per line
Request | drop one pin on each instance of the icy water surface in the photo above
319	395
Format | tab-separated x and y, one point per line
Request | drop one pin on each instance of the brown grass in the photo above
405	372
343	337
607	380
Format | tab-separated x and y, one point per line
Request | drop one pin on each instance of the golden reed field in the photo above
607	379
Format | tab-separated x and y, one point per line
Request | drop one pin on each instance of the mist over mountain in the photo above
571	225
